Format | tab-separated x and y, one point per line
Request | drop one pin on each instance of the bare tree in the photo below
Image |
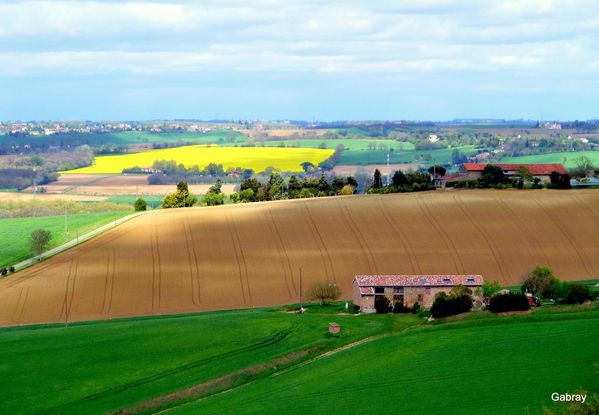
323	291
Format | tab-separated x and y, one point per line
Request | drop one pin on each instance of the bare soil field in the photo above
121	184
26	197
349	169
249	255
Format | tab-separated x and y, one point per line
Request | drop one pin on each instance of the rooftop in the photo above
365	282
534	169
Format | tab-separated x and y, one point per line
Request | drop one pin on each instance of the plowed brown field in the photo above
236	256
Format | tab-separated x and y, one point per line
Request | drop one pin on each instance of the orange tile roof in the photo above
534	169
367	282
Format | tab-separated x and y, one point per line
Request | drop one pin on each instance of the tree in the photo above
140	205
541	282
214	199
559	180
399	179
378	180
490	288
323	291
234	197
307	166
492	174
577	294
525	174
39	240
181	198
323	184
348	189
275	186
437	171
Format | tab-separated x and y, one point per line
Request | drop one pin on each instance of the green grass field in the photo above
566	158
503	365
98	367
350	144
14	245
154	201
363	157
478	364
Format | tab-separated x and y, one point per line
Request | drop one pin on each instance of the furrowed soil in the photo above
249	255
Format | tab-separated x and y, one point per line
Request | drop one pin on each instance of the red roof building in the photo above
408	289
512	169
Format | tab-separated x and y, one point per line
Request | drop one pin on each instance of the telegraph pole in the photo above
388	168
301	293
66	224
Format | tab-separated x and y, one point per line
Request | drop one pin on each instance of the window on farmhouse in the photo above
379	290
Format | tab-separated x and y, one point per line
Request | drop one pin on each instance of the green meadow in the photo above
566	158
14	245
479	363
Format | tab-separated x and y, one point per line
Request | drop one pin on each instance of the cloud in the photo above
437	46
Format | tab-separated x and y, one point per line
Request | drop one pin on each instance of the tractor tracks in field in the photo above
20	306
455	256
192	259
322	246
265	342
359	236
287	269
109	281
244	280
489	241
529	235
69	291
156	270
400	235
575	246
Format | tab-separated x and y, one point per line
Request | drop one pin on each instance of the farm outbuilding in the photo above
408	289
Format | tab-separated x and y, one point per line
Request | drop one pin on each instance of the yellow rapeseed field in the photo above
256	158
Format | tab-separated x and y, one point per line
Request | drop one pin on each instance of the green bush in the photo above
400	308
450	305
382	305
509	302
577	294
140	205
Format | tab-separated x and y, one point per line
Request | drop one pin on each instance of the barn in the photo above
408	289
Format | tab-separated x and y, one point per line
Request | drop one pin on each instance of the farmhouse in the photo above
542	171
474	171
408	289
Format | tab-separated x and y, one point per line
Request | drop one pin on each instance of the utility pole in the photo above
66	224
388	168
301	293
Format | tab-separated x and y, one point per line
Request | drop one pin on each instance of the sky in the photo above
299	59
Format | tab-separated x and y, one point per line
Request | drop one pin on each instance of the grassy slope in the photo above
97	367
495	365
14	246
555	158
350	144
442	156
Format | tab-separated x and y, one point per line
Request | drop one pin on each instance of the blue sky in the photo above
309	59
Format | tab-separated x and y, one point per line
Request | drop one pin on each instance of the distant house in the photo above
408	289
474	171
542	171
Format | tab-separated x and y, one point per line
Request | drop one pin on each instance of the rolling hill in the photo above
244	256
